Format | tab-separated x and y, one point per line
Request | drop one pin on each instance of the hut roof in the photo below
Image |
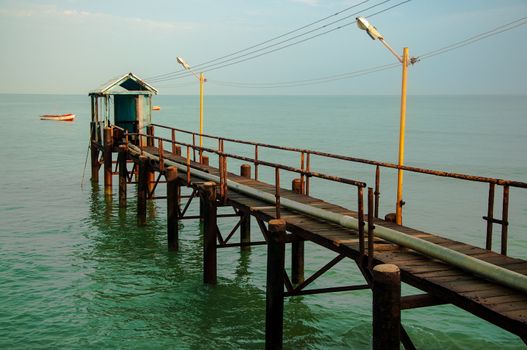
126	84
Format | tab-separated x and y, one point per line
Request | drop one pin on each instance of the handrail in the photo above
265	163
306	173
467	177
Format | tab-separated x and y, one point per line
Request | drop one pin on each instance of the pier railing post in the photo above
209	233
245	225
108	145
172	209
297	247
274	311
142	189
123	174
151	176
386	307
204	161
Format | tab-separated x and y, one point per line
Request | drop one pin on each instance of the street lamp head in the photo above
363	24
183	63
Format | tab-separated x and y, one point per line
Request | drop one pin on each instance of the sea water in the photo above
78	273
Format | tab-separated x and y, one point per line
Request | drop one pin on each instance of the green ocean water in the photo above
76	272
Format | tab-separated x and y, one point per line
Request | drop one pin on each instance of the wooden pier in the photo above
150	161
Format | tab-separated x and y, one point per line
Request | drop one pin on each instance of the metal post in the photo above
150	174
386	307
360	216
209	233
123	174
377	189
108	145
172	209
201	83
297	247
174	145
277	191
371	227
142	188
245	225
399	203
274	311
94	153
505	220
256	162
490	217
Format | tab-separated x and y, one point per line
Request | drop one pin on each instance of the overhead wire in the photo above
306	82
240	58
500	29
268	40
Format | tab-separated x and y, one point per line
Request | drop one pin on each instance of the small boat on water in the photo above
60	117
156	108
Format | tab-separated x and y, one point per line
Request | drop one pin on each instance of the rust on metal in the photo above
360	214
505	220
377	189
371	227
277	191
371	162
490	217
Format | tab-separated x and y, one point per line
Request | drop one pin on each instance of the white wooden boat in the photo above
60	117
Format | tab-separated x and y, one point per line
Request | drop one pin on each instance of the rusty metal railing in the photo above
306	173
223	173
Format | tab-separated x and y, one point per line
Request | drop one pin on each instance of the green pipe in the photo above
479	267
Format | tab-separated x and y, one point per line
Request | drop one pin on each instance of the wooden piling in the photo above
150	133
142	189
123	174
209	233
274	311
245	219
172	209
150	182
297	247
108	145
245	170
386	307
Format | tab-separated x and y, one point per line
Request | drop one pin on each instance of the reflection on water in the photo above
138	285
78	273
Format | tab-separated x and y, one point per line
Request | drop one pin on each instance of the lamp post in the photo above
201	79
363	24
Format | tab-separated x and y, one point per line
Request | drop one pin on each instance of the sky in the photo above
73	46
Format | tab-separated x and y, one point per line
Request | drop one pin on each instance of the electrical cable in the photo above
266	41
306	82
240	59
503	28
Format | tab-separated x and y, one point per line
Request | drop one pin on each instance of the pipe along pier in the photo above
488	284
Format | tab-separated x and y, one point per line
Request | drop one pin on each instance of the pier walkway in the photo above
156	158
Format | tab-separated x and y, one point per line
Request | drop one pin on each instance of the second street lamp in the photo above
405	60
201	79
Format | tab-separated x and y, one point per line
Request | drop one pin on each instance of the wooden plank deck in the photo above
500	305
